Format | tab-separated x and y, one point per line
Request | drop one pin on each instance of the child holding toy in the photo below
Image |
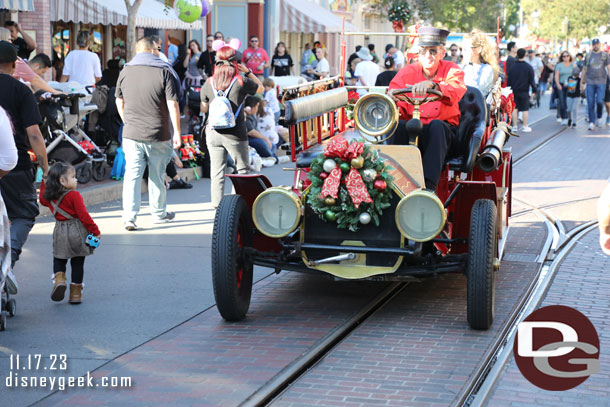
73	224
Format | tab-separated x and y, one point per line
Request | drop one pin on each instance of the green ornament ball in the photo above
345	167
330	216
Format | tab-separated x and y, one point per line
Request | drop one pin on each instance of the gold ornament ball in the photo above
357	162
329	201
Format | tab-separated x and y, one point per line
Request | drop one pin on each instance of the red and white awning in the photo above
151	14
303	16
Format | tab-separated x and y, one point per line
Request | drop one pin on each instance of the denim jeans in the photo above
261	147
542	86
562	96
20	200
595	98
572	104
138	155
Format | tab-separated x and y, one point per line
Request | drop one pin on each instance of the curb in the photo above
112	190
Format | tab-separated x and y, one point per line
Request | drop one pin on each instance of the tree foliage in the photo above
585	17
461	15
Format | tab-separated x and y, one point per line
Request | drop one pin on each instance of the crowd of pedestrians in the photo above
151	91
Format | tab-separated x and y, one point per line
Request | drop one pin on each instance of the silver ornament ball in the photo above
365	218
369	175
329	165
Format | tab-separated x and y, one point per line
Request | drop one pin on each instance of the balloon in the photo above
188	11
205	8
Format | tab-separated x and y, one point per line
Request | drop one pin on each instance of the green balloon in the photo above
188	11
330	216
345	167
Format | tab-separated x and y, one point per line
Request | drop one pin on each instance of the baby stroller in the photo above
194	105
9	306
66	141
108	125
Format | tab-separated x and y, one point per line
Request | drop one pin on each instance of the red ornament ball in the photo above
380	185
323	175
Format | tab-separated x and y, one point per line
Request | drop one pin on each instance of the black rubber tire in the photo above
482	249
99	171
232	231
84	173
12	307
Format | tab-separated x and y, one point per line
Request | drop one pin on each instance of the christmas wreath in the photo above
399	11
349	184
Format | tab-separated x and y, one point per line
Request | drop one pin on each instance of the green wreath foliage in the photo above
348	216
399	11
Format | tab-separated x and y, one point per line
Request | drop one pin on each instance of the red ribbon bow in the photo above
339	147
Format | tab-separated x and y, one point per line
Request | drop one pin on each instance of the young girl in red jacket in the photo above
73	225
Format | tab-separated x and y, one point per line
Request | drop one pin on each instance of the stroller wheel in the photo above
12	307
99	171
84	173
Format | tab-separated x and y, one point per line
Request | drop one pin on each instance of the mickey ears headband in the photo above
235	43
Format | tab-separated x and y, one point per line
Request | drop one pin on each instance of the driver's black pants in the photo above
435	144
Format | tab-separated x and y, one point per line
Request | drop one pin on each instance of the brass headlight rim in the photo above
391	125
420	192
295	199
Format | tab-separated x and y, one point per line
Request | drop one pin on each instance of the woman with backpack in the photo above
222	97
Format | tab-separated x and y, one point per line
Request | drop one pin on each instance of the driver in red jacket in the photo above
440	118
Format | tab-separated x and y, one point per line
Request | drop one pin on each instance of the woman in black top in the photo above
281	62
232	141
384	78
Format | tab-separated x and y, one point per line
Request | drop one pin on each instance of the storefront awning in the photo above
151	14
17	5
306	17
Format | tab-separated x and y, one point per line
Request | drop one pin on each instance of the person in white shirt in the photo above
8	150
399	57
271	98
322	68
82	65
366	71
535	63
481	70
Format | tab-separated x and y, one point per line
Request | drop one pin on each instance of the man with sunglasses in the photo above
255	58
454	55
440	118
208	57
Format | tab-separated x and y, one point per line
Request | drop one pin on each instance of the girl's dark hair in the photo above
278	45
197	43
388	63
53	188
225	72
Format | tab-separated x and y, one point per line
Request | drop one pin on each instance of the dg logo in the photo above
557	348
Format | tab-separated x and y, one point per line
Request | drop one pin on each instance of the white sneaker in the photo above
599	123
526	129
559	120
284	159
564	122
11	283
268	161
591	126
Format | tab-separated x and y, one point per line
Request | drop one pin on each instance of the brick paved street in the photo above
582	282
154	321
